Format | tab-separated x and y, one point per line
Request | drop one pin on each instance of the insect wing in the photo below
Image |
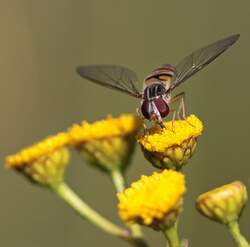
111	76
200	58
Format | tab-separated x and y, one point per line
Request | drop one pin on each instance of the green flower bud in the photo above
223	204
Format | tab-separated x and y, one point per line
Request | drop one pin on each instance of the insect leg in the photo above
181	107
142	117
139	112
185	243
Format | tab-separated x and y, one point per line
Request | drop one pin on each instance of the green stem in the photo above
87	213
69	196
119	183
118	180
237	236
172	237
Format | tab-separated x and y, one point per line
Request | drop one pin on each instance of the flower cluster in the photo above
107	143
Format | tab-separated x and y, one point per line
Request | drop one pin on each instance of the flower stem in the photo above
118	180
237	236
119	183
86	212
172	237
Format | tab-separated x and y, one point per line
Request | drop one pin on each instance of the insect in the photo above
158	86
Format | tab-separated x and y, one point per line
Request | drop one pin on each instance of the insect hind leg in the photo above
181	110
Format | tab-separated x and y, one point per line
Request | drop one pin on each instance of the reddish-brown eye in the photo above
145	109
162	107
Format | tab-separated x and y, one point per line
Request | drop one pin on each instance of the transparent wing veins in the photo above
111	76
200	58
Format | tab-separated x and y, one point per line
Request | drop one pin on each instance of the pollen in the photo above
172	146
110	127
152	198
38	150
174	133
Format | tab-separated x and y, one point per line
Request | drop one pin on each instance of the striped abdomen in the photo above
163	75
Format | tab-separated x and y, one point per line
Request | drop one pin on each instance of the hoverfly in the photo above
157	86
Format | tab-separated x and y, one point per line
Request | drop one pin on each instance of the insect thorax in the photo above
154	90
158	82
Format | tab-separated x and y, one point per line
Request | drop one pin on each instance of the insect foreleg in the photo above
138	111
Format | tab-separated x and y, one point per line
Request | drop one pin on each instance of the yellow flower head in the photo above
43	162
223	204
106	144
153	200
172	146
124	125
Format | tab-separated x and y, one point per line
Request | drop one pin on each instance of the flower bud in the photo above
223	204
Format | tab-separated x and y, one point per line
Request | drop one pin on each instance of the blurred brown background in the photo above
41	44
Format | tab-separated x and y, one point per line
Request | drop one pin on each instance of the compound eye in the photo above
162	107
145	109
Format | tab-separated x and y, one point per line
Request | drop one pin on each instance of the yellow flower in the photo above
106	144
223	204
172	146
153	200
106	128
43	162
